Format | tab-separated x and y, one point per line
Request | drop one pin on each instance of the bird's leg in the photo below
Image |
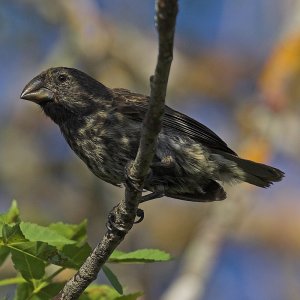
166	162
158	193
151	196
133	184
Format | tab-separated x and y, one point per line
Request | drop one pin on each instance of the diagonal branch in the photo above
125	212
166	11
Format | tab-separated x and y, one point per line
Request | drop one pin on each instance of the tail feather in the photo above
256	173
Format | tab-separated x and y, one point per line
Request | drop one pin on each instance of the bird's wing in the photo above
135	106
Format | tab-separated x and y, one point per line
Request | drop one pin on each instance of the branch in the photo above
125	212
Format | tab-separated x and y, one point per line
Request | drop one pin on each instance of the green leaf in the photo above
71	231
48	292
113	279
77	255
27	264
15	241
140	256
11	234
34	232
134	296
11	216
24	290
45	252
104	292
4	251
23	253
99	292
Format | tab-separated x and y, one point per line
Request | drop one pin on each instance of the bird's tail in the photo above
256	173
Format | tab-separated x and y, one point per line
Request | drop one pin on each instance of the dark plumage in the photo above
103	126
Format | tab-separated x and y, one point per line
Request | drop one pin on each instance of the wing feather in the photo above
135	106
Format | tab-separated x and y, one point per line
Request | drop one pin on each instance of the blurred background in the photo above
236	69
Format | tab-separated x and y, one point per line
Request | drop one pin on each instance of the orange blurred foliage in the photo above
280	80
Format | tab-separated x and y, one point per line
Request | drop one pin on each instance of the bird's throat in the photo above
58	113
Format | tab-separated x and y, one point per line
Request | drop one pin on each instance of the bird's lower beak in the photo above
36	92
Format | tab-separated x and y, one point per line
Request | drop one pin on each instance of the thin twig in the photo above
125	213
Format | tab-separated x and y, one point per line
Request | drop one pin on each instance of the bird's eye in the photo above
62	78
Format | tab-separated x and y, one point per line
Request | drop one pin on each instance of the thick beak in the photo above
36	92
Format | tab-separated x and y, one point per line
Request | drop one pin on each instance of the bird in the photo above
103	125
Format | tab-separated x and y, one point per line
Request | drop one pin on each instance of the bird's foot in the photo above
140	214
113	225
130	181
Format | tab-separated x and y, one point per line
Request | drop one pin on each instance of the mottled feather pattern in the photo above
103	127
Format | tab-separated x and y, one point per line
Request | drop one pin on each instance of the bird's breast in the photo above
104	149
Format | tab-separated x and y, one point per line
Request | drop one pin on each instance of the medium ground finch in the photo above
103	127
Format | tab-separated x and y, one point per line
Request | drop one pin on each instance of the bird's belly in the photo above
105	157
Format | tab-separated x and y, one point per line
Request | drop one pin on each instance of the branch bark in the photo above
125	212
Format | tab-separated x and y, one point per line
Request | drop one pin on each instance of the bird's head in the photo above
65	92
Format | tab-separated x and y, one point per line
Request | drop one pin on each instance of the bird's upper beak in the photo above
36	91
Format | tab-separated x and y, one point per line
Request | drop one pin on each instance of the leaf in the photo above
99	292
11	234
104	292
4	251
11	216
23	291
113	279
71	231
48	292
23	253
13	239
130	296
140	256
77	255
34	233
27	264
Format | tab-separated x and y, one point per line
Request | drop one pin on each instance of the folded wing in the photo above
135	106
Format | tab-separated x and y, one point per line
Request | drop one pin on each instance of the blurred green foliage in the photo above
33	248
